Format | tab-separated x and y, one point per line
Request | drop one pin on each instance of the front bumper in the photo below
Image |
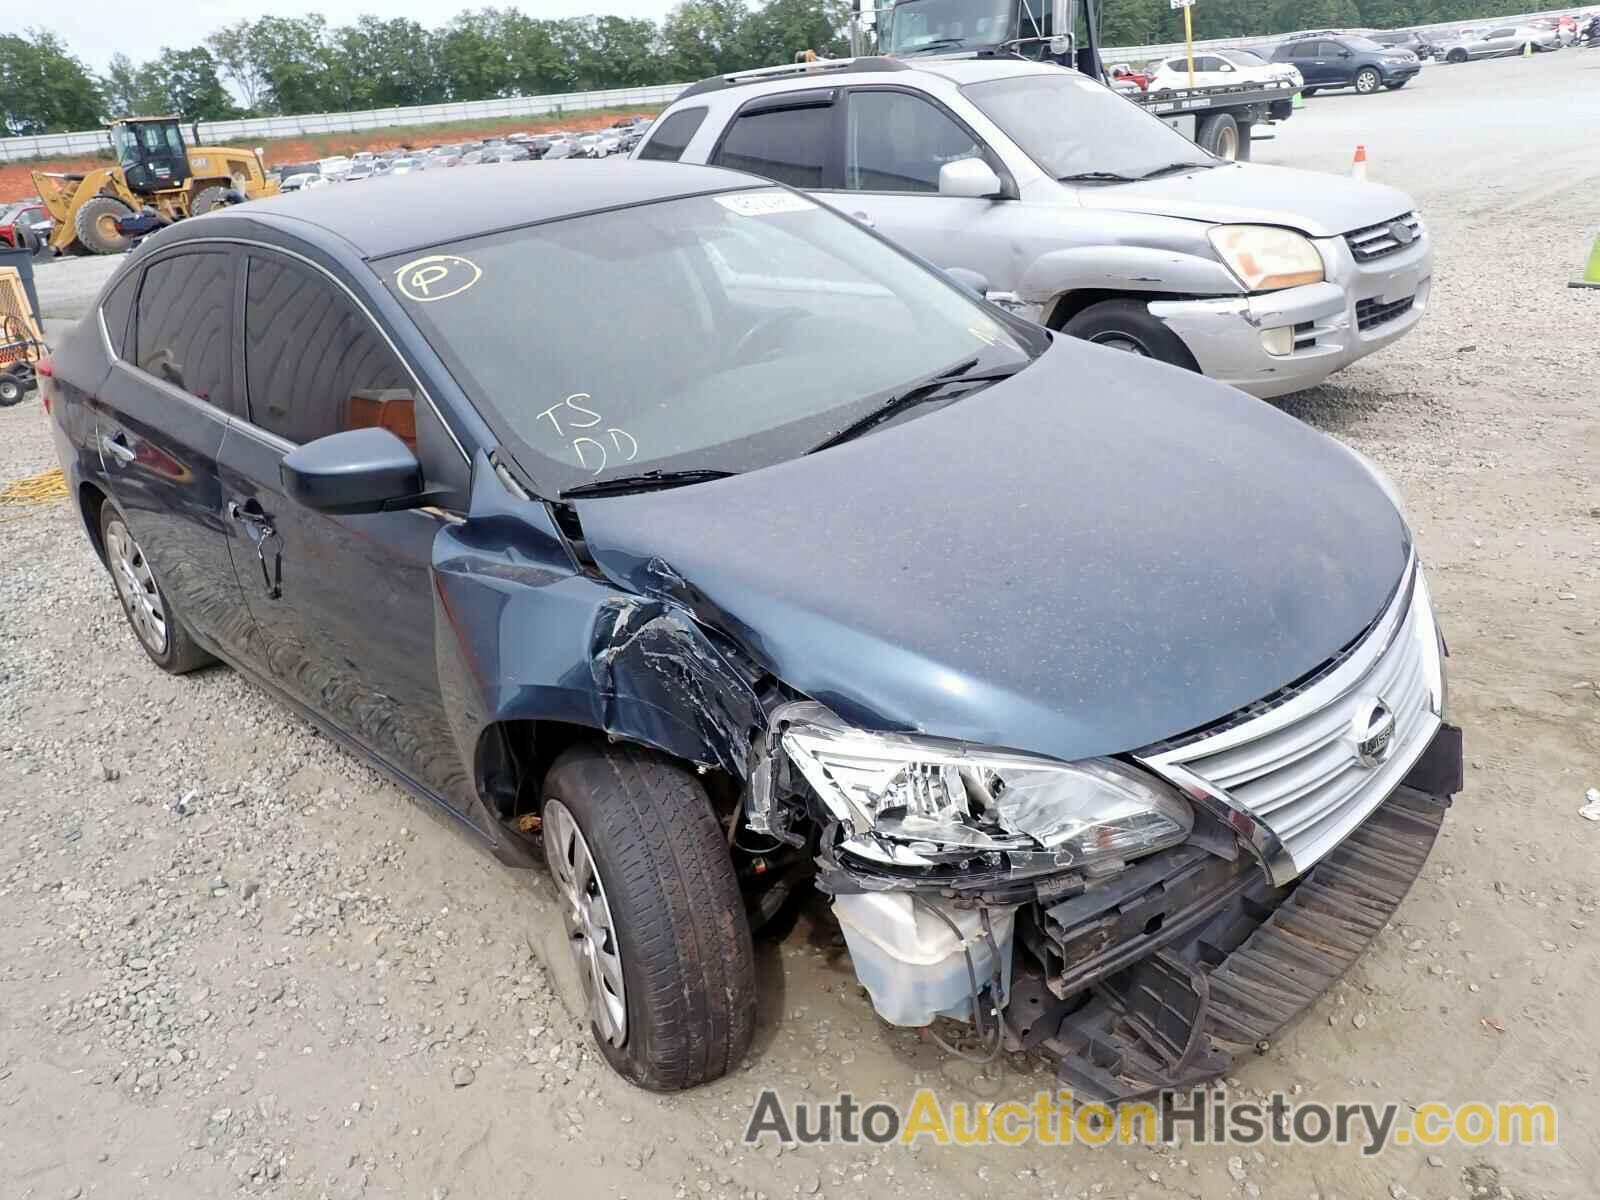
1332	322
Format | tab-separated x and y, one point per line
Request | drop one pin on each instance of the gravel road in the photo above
235	961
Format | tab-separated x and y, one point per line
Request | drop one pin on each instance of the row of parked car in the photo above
1325	59
619	138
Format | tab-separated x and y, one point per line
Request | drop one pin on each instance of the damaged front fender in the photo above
525	634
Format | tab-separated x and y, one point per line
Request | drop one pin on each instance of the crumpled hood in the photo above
1314	203
1094	555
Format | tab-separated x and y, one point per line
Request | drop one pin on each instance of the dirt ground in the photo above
16	179
233	961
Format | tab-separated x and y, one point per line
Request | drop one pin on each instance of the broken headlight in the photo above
911	801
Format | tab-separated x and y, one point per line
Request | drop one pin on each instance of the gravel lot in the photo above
232	960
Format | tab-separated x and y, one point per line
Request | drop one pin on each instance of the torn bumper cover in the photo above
1140	946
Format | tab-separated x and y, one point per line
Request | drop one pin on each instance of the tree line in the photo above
288	65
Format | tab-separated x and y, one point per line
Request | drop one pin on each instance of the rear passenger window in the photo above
314	364
670	138
184	330
789	145
117	312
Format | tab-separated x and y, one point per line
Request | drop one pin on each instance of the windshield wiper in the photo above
645	481
1096	177
916	395
1178	166
941	43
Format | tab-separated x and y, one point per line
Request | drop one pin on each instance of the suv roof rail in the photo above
1311	33
798	70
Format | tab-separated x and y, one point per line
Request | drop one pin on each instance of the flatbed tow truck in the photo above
1222	119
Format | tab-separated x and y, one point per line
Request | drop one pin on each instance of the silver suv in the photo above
1079	209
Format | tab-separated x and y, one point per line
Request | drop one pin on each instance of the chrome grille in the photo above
1295	768
1374	241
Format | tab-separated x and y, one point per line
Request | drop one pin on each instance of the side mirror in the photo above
356	471
974	281
1344	54
970	177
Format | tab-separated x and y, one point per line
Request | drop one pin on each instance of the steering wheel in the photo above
763	326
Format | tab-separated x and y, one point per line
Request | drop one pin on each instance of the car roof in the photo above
432	207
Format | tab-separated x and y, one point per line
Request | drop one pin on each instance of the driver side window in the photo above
313	363
896	142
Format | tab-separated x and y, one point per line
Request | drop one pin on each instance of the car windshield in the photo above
1361	43
1243	58
770	324
939	26
1073	127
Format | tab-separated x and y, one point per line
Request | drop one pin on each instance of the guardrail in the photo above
66	145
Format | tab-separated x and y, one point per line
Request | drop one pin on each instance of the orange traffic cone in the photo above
1358	167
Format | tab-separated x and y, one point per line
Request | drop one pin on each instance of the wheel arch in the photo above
92	498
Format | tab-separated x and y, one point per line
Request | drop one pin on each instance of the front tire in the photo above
1368	81
1456	56
1127	325
159	630
95	223
654	915
11	390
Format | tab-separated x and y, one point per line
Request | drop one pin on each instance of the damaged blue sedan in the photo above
1104	702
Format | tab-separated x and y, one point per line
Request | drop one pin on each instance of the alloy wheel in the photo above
136	586
591	932
1367	82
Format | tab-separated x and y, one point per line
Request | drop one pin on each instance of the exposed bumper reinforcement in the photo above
1176	1018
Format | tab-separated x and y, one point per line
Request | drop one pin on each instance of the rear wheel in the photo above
1368	81
1456	56
653	915
95	223
1128	326
11	390
160	631
1219	133
206	199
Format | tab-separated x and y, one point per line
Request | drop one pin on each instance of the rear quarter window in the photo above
116	309
669	139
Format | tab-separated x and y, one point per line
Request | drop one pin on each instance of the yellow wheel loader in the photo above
154	168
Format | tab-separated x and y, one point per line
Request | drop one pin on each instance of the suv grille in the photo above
1377	240
1295	767
1372	313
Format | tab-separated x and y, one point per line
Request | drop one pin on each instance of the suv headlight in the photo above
1265	257
916	801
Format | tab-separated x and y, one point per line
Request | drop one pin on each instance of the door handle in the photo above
117	446
865	220
257	526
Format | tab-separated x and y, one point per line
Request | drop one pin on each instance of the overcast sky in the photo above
97	29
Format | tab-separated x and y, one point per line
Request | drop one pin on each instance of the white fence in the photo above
51	145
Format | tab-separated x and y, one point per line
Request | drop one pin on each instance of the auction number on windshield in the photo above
602	446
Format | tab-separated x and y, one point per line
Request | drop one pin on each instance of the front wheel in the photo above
653	915
1456	56
11	390
1368	81
95	223
1128	326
